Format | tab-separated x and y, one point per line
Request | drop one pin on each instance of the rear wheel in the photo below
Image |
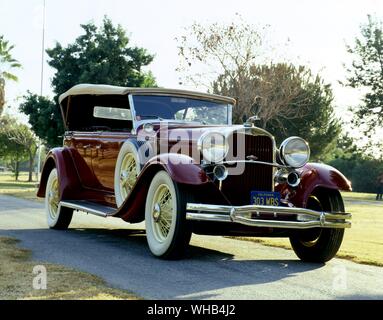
167	231
320	244
57	217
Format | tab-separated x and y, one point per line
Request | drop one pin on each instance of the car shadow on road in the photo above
122	258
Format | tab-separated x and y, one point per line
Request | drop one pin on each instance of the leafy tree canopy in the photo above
7	63
102	55
44	117
366	72
288	99
11	151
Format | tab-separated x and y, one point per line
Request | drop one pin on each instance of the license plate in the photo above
265	198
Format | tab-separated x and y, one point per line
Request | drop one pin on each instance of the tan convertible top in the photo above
101	89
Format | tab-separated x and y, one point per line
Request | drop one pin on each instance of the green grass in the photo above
21	188
363	242
358	196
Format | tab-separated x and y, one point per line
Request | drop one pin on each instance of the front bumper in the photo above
252	215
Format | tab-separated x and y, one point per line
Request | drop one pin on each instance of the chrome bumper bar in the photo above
250	215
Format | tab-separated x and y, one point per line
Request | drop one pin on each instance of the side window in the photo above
112	113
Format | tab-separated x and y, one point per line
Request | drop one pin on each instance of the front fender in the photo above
61	159
181	168
314	176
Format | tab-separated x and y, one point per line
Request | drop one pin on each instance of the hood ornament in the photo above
255	109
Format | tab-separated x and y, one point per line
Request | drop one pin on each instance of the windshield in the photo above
181	109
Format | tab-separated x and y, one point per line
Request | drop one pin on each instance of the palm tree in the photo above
7	63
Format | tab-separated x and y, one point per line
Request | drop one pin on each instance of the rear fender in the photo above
61	159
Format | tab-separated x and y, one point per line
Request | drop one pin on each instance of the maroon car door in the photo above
107	149
84	144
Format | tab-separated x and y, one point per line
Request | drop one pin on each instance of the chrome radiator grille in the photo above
237	188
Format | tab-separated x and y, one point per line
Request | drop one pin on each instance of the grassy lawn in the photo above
363	242
358	196
21	188
16	279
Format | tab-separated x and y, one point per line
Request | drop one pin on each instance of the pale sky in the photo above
317	30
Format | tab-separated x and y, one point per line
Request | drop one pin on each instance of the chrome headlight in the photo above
294	152
213	146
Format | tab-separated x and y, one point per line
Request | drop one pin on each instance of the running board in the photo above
89	207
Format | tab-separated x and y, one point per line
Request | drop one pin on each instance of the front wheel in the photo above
57	217
167	231
320	244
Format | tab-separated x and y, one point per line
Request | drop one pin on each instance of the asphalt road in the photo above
215	268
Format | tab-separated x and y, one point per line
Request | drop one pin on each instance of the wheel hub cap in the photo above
162	212
124	175
156	212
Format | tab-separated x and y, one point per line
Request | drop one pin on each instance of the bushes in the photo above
361	172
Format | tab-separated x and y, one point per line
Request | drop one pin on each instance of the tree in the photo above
289	100
347	149
11	151
366	71
101	56
311	116
22	136
268	90
206	52
7	63
360	170
44	117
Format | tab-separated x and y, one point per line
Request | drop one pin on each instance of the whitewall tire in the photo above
57	218
128	167
167	231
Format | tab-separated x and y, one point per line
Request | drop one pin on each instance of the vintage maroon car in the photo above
173	159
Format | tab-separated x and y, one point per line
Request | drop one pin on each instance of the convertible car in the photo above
173	159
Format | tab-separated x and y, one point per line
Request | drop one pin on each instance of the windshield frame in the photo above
137	123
